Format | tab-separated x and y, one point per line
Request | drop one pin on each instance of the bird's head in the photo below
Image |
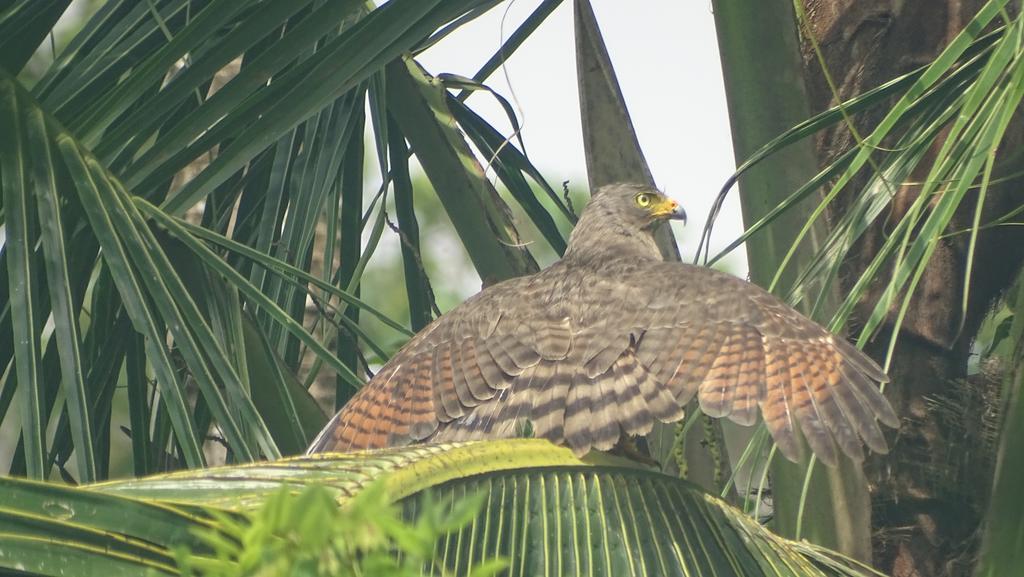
636	205
622	217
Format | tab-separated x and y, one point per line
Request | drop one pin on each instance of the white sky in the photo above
666	58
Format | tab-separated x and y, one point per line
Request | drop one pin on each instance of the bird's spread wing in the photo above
467	358
590	357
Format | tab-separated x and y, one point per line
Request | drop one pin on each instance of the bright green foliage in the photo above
459	509
307	534
1002	549
183	178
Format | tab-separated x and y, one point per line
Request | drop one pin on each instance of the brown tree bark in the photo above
928	493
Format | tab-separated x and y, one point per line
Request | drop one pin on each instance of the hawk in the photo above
610	339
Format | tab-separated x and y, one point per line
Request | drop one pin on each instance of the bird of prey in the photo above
610	339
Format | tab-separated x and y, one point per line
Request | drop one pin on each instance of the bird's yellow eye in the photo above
643	200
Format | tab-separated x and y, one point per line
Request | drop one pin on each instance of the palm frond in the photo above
542	509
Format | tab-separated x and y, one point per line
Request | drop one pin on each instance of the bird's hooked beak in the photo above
669	209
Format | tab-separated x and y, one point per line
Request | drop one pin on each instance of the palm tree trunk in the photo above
925	493
766	95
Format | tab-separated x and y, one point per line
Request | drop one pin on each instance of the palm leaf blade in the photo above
541	507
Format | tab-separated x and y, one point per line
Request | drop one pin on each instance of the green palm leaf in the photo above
125	132
542	509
